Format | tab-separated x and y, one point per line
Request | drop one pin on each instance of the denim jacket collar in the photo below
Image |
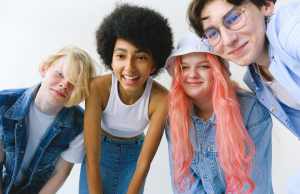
195	118
21	107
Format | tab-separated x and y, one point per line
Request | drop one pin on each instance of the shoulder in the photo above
159	94
100	88
158	90
284	25
158	98
71	118
101	82
8	97
252	110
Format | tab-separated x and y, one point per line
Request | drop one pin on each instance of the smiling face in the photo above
131	66
55	87
245	45
197	76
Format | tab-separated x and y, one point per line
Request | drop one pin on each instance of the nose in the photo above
193	72
130	64
229	37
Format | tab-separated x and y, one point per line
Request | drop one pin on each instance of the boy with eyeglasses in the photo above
250	33
41	127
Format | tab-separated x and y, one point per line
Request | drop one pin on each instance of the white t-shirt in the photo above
283	95
38	123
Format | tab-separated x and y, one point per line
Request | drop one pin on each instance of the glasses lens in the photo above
212	35
234	20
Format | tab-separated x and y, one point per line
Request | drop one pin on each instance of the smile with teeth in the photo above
130	77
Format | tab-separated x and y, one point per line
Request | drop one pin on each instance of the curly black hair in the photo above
143	27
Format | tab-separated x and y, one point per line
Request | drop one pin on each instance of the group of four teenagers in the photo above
219	135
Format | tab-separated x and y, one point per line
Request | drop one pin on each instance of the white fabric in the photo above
283	95
121	120
75	152
190	43
38	123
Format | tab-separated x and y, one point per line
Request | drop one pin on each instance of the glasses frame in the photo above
243	20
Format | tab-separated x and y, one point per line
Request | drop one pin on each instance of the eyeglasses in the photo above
234	20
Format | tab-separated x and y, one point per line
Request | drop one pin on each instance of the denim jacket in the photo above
14	108
208	174
287	115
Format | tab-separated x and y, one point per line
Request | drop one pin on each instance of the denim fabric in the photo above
288	116
208	174
117	165
14	108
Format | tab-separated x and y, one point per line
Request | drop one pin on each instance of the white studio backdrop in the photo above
32	29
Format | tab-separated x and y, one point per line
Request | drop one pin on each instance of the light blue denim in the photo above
208	174
117	165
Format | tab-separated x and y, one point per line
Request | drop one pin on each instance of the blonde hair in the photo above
81	68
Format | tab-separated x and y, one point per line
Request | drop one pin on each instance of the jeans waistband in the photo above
133	140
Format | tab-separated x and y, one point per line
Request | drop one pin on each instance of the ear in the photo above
268	8
43	70
153	70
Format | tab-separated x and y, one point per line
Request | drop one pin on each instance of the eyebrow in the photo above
136	52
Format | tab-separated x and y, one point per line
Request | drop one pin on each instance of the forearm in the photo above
54	183
60	174
138	178
94	178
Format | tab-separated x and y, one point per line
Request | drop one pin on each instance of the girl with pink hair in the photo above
219	135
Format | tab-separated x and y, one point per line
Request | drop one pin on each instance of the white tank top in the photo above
122	120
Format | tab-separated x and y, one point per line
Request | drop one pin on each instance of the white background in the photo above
32	29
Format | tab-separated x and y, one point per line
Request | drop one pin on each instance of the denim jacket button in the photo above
273	109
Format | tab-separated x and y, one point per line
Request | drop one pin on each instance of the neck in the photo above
263	64
263	60
46	107
130	97
203	109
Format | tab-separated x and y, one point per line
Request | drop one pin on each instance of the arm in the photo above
92	134
259	127
158	113
61	172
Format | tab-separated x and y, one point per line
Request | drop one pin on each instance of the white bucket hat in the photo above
190	43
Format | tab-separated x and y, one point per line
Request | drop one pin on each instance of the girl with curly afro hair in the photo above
134	43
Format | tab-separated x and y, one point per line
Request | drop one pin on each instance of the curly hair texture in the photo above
143	27
234	145
196	6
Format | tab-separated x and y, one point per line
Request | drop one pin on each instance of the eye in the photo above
59	74
142	57
184	67
212	33
119	56
232	18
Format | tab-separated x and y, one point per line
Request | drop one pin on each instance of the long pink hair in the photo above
234	145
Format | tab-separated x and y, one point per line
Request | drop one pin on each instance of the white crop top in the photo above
122	120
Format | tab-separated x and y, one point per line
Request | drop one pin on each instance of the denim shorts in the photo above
117	164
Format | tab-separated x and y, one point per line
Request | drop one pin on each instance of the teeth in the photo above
130	77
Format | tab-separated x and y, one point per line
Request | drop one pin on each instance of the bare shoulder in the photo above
100	88
159	97
158	90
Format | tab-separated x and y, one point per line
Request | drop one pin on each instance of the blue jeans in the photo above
117	165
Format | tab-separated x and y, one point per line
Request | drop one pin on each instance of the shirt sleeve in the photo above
75	152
